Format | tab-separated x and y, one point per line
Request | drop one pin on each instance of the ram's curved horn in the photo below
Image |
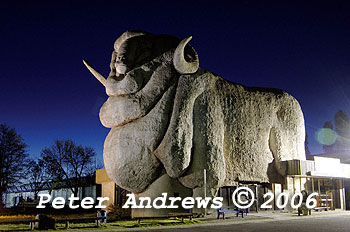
125	36
96	74
180	63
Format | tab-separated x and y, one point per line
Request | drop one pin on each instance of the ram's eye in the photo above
121	58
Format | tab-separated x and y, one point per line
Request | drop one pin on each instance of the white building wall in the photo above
12	199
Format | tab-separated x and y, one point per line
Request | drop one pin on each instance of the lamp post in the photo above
205	189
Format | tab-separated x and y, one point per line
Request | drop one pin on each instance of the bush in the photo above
116	212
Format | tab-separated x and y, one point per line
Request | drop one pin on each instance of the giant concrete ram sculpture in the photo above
168	114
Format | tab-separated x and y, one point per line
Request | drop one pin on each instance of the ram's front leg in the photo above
275	145
176	147
208	154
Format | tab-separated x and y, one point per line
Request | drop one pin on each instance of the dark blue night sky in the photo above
302	47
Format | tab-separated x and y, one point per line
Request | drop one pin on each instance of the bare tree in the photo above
36	176
13	158
342	127
65	162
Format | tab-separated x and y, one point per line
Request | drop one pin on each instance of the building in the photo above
116	195
326	176
17	194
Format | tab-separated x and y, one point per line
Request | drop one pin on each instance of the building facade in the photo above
16	195
326	176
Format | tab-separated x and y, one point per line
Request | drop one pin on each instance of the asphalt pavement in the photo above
264	221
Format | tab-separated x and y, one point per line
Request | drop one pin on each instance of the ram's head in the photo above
134	49
131	65
141	86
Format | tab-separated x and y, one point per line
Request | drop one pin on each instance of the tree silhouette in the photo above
342	127
341	130
13	158
36	176
328	148
65	162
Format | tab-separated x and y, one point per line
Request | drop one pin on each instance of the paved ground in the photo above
341	223
318	221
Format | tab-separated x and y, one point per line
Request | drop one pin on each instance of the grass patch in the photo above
54	216
92	225
79	226
13	217
14	227
154	222
59	227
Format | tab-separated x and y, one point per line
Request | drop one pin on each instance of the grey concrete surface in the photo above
265	221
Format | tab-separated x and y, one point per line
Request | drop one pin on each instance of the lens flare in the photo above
326	136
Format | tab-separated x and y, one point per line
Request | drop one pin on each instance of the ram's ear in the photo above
175	149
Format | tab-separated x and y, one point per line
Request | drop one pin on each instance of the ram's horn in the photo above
96	74
180	63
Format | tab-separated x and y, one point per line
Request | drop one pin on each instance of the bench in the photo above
231	209
71	220
322	208
180	215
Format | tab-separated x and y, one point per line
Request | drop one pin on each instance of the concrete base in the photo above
163	184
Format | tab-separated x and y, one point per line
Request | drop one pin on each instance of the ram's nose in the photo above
121	68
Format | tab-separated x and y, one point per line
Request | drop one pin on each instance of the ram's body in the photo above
166	118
